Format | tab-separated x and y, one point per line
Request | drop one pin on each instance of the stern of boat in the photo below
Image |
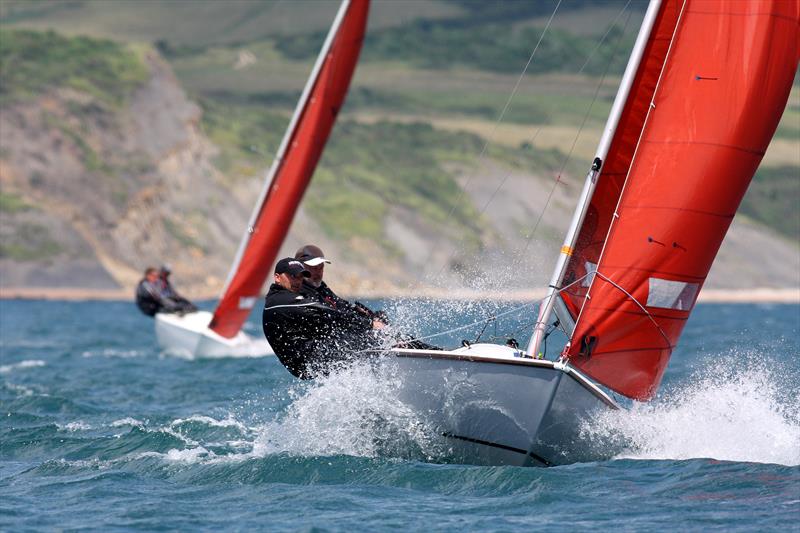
188	335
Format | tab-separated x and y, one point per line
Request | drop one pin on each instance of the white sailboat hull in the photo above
188	335
496	408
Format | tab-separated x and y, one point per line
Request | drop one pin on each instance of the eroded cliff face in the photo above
93	193
105	192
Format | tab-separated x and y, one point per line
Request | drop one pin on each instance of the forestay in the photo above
705	102
293	167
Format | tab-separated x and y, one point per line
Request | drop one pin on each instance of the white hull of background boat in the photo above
188	335
498	408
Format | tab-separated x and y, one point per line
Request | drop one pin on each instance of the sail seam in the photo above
635	313
718	145
682	209
656	271
739	14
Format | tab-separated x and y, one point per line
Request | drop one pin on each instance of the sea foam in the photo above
735	409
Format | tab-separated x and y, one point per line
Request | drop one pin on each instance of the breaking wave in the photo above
354	412
735	409
7	369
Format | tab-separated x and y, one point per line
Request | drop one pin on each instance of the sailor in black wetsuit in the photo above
148	293
310	337
314	261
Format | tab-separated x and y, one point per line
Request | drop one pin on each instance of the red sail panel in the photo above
304	150
598	218
725	84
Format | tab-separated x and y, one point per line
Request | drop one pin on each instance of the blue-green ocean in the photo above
101	431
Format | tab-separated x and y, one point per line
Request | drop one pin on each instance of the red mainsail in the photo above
292	173
705	103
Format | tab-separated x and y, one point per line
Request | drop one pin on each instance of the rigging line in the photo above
564	288
610	27
473	324
535	135
495	316
574	142
634	300
504	313
463	189
580	71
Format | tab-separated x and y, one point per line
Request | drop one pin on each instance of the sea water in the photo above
102	431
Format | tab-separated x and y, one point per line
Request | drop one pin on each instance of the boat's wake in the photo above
736	409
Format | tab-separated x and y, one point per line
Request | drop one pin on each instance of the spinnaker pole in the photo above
590	183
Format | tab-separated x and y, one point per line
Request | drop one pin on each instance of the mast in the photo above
293	167
590	183
290	130
711	89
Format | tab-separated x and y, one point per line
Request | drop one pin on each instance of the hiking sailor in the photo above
311	337
314	261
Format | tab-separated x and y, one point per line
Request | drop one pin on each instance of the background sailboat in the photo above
203	334
700	100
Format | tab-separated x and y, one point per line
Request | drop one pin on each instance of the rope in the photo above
634	300
463	189
577	136
502	183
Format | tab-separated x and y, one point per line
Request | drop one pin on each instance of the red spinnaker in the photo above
675	174
304	150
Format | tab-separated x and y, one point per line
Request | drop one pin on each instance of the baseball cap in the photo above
311	255
291	266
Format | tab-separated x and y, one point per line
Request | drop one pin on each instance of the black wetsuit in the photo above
151	299
175	302
310	337
148	298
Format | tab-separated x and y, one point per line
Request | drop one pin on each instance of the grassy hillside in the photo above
33	62
434	79
367	168
772	199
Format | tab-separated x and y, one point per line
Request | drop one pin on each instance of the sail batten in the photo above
703	127
291	171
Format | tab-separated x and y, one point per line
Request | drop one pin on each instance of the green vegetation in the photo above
490	47
182	236
368	167
247	134
421	70
11	203
772	199
33	62
789	126
89	156
31	242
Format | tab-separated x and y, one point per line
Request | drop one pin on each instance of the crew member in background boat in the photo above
168	292
311	337
148	293
314	260
150	297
